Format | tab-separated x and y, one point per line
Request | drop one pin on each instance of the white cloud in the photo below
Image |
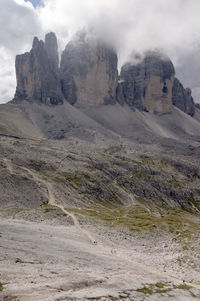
18	24
173	26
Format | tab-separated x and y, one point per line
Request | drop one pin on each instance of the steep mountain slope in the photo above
15	121
59	122
38	120
143	126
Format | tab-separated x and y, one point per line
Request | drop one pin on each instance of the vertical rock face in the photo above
37	73
88	76
182	98
51	48
88	73
148	84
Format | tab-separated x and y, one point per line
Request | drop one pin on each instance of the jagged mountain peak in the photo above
88	72
147	85
88	76
37	73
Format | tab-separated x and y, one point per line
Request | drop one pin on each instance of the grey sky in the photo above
172	25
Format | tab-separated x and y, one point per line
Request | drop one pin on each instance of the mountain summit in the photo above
88	72
88	77
38	74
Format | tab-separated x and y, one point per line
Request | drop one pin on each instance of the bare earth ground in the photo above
44	262
47	249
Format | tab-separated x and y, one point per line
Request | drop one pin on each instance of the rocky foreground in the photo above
134	239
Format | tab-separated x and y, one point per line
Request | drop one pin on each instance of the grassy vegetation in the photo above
160	285
77	177
193	202
174	181
145	290
160	288
157	288
1	287
182	287
137	218
113	149
46	209
150	178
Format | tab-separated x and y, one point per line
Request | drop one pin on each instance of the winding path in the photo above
52	202
108	250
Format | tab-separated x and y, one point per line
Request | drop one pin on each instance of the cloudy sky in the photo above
139	25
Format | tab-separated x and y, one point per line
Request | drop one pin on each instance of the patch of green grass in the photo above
43	209
175	182
160	285
145	290
76	177
140	175
114	148
48	208
134	218
20	210
194	202
137	219
159	288
182	287
162	290
1	287
59	179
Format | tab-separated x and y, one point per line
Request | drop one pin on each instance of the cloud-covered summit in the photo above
139	25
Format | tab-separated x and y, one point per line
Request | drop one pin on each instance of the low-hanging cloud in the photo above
139	25
18	23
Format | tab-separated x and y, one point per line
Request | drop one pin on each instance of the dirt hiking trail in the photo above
108	250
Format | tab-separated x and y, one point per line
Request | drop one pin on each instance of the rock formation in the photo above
37	73
148	84
88	72
51	48
182	98
88	76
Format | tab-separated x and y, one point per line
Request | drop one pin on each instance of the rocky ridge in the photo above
88	77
